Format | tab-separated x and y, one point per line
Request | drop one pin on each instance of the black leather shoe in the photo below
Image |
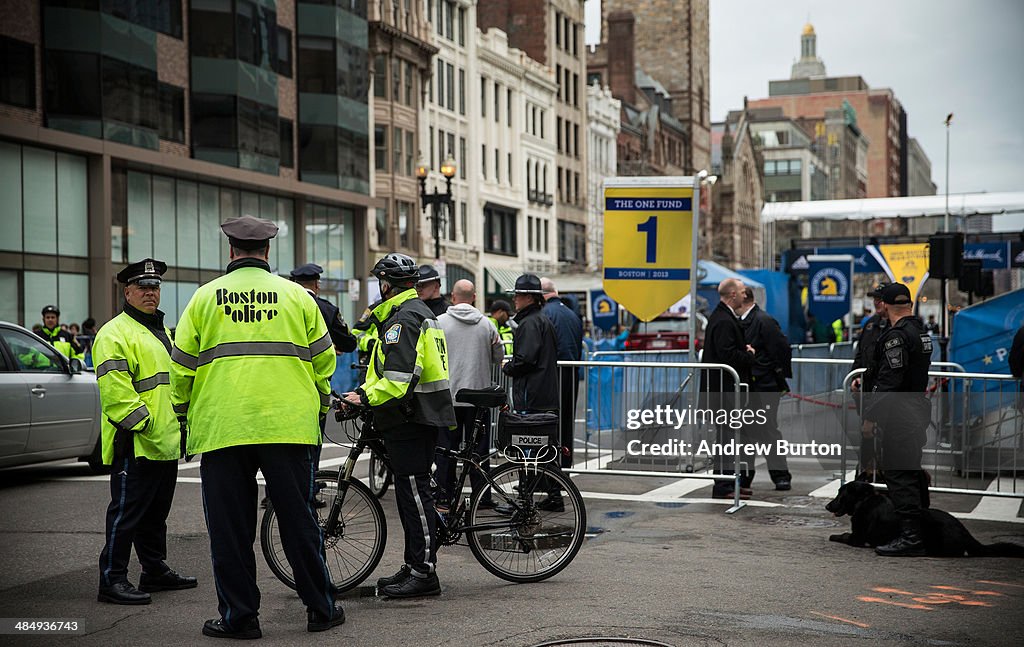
394	579
217	629
122	593
317	621
783	485
413	587
169	581
552	503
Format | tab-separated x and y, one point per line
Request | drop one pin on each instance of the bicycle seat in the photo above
492	396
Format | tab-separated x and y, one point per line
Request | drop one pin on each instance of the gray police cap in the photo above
247	232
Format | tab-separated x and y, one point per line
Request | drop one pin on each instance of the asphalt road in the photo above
676	570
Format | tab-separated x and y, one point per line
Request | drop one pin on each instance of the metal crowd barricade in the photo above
604	446
975	440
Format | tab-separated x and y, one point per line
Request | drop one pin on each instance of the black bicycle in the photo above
510	524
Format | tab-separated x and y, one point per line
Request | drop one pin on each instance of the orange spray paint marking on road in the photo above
1019	586
883	589
846	620
905	605
955	588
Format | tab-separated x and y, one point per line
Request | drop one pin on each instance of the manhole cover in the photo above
793	521
603	641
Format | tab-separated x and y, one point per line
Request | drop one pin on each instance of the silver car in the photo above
49	408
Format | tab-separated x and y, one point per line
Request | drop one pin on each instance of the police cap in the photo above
896	294
307	272
248	232
876	292
48	309
146	272
428	273
527	284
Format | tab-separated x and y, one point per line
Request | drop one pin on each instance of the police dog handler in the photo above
141	439
251	364
407	388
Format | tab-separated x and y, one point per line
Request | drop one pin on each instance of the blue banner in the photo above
829	289
993	256
604	311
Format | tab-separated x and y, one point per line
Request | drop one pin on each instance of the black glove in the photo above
124	443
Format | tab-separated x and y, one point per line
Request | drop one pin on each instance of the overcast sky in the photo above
937	56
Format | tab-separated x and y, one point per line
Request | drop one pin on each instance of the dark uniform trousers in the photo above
902	442
141	492
767	434
465	420
230	494
411	452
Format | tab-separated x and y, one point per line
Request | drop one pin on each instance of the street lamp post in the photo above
435	199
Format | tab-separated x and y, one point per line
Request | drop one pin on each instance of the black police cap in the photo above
51	308
428	273
527	284
247	232
145	272
876	292
307	272
896	294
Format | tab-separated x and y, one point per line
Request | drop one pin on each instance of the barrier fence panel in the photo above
975	434
650	418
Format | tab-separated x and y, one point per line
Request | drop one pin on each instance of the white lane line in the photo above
831	489
646	498
998	506
679	488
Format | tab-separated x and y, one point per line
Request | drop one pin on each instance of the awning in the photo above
498	280
710	274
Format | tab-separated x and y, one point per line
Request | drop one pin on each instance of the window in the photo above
410	96
462	90
572	242
497	100
508	108
451	86
463	220
380	76
31	355
558	80
450	146
794	167
558	132
382	227
72	84
17	73
318	149
448	20
404	222
287	143
172	113
499	230
318	68
283	62
396	150
509	167
497	165
130	94
408	152
440	83
462	158
441	152
483	96
483	160
212	29
396	80
462	26
380	148
213	121
159	15
575	89
769	167
576	140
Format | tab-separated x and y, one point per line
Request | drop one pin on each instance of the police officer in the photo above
407	387
141	439
250	369
501	313
428	288
898	409
308	276
59	338
865	358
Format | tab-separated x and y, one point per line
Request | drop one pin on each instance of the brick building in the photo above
133	129
672	46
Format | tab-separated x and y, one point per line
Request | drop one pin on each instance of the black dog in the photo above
874	522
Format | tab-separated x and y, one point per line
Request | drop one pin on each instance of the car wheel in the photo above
95	460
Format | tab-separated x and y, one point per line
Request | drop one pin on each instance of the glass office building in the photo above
131	129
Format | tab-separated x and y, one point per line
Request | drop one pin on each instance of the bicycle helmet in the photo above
397	269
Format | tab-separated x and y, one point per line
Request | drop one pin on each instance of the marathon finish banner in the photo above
829	288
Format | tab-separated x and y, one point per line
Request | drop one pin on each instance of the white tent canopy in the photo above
960	205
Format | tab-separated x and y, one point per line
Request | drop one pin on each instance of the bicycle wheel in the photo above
353	551
380	476
533	543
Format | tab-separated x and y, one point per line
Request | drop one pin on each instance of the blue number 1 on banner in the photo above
650	227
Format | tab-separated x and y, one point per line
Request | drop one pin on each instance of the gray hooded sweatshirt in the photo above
473	348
